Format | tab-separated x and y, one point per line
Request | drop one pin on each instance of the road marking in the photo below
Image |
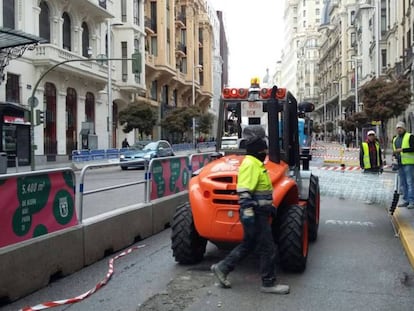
349	223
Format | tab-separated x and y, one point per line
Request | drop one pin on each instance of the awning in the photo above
10	38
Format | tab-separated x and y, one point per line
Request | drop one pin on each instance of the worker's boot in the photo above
221	276
280	289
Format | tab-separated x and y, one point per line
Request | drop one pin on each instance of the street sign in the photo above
33	101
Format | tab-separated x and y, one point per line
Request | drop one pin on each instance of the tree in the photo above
316	128
141	116
385	98
179	120
329	126
205	121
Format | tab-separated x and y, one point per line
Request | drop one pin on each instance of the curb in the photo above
406	232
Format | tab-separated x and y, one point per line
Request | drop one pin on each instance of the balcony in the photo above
150	26
48	54
180	49
180	20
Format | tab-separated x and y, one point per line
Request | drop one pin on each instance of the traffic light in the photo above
136	63
40	117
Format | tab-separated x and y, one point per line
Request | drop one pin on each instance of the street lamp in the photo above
193	99
109	83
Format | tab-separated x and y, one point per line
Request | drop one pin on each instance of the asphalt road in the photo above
356	264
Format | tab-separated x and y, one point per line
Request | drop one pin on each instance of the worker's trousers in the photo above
257	237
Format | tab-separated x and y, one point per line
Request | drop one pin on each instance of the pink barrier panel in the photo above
169	176
199	160
36	204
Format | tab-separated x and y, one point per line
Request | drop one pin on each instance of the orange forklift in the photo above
211	214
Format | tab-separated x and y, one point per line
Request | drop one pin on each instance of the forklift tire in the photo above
313	208
187	245
293	238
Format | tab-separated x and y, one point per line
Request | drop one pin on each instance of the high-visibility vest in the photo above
406	157
365	149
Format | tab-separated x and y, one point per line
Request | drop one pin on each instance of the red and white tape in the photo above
345	168
56	303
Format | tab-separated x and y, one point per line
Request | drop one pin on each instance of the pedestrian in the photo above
370	155
255	198
403	147
125	143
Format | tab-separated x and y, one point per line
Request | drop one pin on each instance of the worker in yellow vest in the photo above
370	155
403	147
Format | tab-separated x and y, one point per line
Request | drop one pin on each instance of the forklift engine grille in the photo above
224	179
225	196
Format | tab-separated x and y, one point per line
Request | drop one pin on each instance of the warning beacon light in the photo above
254	90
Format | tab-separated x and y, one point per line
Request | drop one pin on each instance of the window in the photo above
154	90
164	95
66	32
174	98
136	12
85	40
384	58
154	47
123	11
124	53
12	88
352	17
8	14
102	3
90	107
44	21
353	39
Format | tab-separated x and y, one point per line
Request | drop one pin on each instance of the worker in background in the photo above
255	189
403	147
370	155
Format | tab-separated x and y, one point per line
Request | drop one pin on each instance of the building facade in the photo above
92	44
355	41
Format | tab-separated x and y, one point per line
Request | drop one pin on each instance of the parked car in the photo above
142	157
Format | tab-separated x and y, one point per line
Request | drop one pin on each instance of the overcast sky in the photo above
255	37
